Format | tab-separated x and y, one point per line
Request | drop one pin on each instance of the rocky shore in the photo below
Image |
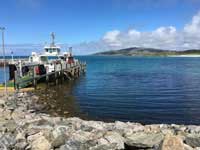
22	126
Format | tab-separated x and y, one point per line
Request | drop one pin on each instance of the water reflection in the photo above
59	100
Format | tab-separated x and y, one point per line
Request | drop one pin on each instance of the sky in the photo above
98	25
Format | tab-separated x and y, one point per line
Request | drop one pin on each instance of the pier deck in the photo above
62	71
67	72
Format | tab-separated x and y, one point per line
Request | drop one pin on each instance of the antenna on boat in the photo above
53	39
70	49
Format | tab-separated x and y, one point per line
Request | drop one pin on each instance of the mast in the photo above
53	39
70	49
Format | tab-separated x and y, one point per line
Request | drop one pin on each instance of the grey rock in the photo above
77	145
20	137
20	145
40	143
2	102
58	141
7	140
61	130
104	147
10	125
18	115
115	139
144	140
6	114
193	129
86	128
193	140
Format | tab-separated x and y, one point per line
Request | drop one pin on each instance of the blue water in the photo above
141	89
2	74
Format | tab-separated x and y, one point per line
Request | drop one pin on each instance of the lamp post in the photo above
12	56
3	49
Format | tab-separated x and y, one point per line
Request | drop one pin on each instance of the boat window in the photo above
52	57
52	50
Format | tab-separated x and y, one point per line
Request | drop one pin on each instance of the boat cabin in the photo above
52	50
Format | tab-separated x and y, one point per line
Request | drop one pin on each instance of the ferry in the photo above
51	54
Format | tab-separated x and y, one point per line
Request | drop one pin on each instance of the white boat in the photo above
51	54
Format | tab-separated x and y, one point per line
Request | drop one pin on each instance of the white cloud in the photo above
133	38
134	33
112	37
194	26
166	37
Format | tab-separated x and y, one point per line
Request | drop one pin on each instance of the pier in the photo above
62	71
49	66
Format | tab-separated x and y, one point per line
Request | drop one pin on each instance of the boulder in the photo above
115	138
77	145
167	132
6	114
61	129
7	141
41	143
21	145
187	147
104	147
124	129
82	136
193	140
58	141
98	125
20	137
17	115
193	129
144	140
152	129
172	143
10	125
2	102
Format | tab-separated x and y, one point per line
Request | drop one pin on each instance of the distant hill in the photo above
135	51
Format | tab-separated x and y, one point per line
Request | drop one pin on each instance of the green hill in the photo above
135	51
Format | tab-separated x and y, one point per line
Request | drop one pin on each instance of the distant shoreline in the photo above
185	56
135	51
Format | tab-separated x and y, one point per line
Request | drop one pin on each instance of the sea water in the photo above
139	89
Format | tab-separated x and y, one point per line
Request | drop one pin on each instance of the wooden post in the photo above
62	73
47	79
16	84
20	68
15	80
55	75
34	78
79	71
